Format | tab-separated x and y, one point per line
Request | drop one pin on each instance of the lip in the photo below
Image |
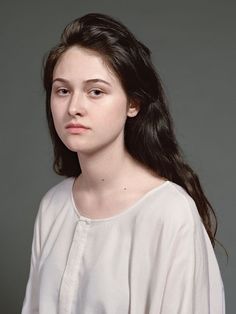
77	130
76	126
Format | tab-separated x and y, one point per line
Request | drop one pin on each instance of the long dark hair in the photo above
149	136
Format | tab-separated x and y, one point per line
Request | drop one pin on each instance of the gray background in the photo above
194	49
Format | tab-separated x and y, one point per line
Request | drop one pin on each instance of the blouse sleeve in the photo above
30	304
192	282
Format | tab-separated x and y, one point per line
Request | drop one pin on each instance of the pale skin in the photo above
85	90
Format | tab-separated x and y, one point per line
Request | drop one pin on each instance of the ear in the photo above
133	109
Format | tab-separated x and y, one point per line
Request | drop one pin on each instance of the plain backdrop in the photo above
193	45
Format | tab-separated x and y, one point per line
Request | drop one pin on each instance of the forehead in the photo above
78	62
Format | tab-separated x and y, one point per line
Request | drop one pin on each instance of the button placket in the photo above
71	273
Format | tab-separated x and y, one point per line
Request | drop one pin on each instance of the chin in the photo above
85	146
74	145
84	149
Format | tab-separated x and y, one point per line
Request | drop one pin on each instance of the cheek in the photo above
57	119
52	107
113	122
113	119
120	112
56	110
116	110
54	116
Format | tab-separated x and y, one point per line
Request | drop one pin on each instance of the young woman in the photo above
129	230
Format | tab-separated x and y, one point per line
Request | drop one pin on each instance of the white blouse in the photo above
154	257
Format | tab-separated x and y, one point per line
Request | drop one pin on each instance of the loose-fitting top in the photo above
154	257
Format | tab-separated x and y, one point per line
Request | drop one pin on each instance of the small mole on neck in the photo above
102	179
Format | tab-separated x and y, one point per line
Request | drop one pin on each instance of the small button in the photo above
86	221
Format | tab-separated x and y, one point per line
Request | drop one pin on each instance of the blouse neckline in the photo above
123	212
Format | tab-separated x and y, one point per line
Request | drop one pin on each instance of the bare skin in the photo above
97	206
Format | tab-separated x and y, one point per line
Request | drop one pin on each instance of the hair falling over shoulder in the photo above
149	136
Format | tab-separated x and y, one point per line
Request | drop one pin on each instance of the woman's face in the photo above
85	91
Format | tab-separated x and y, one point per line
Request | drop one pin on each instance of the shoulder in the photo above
55	196
180	204
174	219
59	189
172	207
50	207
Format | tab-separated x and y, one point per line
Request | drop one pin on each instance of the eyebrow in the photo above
95	80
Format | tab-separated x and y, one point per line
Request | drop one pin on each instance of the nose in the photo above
76	105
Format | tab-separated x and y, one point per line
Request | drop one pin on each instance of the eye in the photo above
62	91
96	93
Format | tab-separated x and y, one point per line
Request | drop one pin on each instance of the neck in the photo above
107	170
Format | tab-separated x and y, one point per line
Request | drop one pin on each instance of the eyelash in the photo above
61	91
97	90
